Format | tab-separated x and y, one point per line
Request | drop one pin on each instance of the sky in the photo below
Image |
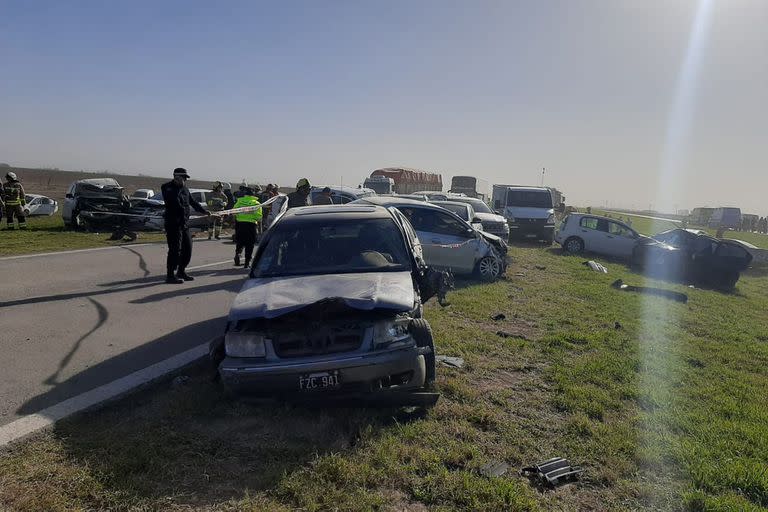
658	104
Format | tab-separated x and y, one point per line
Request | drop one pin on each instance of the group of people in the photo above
12	201
755	224
248	223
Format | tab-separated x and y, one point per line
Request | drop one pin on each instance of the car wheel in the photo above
422	334
574	245
489	268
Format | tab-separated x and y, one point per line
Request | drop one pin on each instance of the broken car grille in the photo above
318	342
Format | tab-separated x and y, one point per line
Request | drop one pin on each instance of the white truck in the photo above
382	185
529	211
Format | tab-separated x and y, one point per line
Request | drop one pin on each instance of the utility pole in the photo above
543	170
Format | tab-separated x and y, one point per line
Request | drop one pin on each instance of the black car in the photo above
693	256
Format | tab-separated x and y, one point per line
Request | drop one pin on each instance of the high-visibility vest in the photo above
247	217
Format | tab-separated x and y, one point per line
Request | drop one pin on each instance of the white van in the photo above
530	213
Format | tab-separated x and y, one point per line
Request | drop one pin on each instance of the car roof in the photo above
394	201
335	211
529	189
458	203
611	219
100	181
346	189
36	195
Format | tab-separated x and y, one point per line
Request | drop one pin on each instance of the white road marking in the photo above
209	265
73	251
34	422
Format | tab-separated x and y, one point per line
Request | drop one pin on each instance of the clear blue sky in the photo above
622	101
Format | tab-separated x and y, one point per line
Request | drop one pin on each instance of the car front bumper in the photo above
531	230
501	231
359	374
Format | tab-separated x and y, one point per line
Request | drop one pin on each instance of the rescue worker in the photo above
217	202
177	203
299	197
13	197
246	226
323	197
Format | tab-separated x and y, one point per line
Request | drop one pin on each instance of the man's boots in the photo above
181	274
170	278
247	262
237	259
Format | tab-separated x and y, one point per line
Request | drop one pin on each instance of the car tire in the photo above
422	335
574	245
488	269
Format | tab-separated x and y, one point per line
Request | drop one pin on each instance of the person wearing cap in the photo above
324	197
299	196
178	200
246	226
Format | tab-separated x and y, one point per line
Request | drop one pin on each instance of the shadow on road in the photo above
123	364
103	316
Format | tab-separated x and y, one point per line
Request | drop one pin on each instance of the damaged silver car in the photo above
332	307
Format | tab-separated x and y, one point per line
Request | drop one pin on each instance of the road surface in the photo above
70	322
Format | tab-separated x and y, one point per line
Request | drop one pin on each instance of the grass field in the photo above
651	226
47	234
664	404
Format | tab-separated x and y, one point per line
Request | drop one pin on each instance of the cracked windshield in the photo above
404	256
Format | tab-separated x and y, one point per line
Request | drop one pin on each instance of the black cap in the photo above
180	171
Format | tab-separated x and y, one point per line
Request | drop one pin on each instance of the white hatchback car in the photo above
40	205
581	232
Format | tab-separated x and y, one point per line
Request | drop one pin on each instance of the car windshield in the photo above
478	205
332	246
529	198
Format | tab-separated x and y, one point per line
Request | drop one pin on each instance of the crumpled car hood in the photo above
490	217
272	297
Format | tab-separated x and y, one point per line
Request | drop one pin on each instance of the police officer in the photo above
177	202
246	226
13	197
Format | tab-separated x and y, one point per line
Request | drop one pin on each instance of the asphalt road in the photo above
70	322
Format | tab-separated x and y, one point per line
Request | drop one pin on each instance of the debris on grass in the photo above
494	469
498	317
552	472
659	292
456	362
595	266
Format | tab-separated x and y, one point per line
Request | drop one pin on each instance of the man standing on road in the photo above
299	196
245	226
177	202
13	197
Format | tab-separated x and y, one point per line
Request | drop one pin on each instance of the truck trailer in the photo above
408	181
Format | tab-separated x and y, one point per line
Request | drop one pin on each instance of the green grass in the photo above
48	234
652	226
663	403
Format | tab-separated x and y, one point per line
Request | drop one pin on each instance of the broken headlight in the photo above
244	344
389	332
551	219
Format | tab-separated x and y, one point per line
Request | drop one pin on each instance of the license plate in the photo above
319	381
531	235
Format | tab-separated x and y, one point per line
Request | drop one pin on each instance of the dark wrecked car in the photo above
692	256
332	308
100	204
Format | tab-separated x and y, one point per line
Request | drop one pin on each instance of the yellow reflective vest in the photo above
244	201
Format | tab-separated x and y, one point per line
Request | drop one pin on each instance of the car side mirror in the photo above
69	196
476	220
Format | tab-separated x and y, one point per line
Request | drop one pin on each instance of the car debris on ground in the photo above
498	317
659	292
494	469
595	266
455	362
552	472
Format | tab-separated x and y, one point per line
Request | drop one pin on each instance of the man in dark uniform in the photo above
299	197
177	202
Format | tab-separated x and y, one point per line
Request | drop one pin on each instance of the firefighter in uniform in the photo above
177	203
13	197
216	203
299	196
246	226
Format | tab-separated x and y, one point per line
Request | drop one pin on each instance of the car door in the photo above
447	242
620	240
593	231
69	203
